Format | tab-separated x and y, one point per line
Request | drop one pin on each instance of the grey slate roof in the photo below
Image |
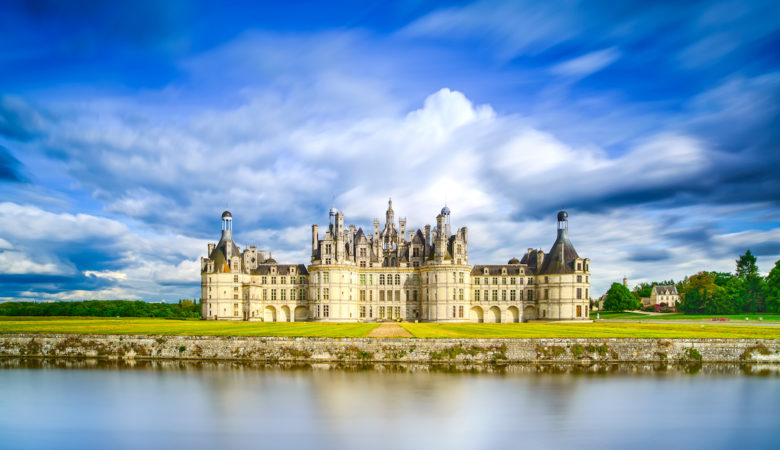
560	258
495	269
665	289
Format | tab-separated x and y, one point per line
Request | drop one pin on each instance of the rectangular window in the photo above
495	295
530	280
546	294
370	312
460	311
362	312
302	294
586	293
264	280
530	296
519	281
265	294
235	279
273	294
381	296
283	292
512	280
273	280
362	296
235	296
503	280
362	279
476	295
503	295
579	311
476	281
460	278
325	277
325	294
282	280
579	296
495	280
397	279
398	312
486	295
381	312
512	295
454	311
382	279
370	279
325	310
460	294
398	296
416	295
579	278
370	296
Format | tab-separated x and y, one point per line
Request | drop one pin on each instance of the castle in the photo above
393	274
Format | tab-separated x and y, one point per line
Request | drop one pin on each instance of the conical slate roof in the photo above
561	256
219	254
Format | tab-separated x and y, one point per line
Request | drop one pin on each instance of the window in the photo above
459	249
362	264
283	292
265	294
264	280
486	295
476	281
382	312
370	296
362	296
235	279
363	255
579	295
530	296
416	252
586	311
397	279
325	294
398	296
415	294
586	293
503	295
325	276
235	296
454	311
512	280
454	277
495	295
363	311
362	279
579	311
546	294
512	295
325	309
460	311
327	249
476	295
235	288
460	295
579	278
302	280
530	280
503	280
273	294
370	280
495	280
370	311
579	267
382	279
546	279
460	278
301	294
381	296
398	312
273	280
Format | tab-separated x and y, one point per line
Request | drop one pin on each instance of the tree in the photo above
751	296
619	298
746	265
701	295
772	289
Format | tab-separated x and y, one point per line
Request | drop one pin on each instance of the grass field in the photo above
588	330
89	325
767	317
196	327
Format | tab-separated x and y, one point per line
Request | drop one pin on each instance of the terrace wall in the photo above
281	349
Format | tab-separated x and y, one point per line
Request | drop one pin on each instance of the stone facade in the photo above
663	294
393	273
301	349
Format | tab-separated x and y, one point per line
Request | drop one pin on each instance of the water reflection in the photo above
164	404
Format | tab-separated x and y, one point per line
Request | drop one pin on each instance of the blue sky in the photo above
126	128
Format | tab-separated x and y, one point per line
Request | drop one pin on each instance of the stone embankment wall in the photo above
281	349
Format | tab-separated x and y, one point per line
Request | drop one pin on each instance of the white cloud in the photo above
107	274
18	263
587	64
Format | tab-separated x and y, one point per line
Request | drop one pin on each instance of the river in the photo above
62	404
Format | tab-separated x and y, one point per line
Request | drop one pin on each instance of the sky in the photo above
126	128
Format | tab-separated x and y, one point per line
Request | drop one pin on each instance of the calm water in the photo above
152	405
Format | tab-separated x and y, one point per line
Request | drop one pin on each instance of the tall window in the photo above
459	249
397	279
325	310
273	280
284	294
382	279
362	312
362	296
546	294
362	279
579	278
460	311
460	277
325	277
512	295
495	295
476	281
381	296
579	311
476	295
579	296
273	294
495	280
503	295
460	295
325	294
235	279
454	311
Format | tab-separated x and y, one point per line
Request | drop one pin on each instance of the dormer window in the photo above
579	266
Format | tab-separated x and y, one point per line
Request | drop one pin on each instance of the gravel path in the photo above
391	330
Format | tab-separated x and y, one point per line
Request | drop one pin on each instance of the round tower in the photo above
227	225
563	223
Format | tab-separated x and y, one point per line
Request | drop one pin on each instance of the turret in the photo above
563	224
227	226
390	214
315	239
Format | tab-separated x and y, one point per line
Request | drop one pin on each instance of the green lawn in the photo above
144	326
588	330
767	317
103	325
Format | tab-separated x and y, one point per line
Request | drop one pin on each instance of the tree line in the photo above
744	291
103	308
